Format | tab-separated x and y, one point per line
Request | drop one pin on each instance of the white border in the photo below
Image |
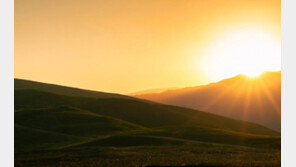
288	82
6	83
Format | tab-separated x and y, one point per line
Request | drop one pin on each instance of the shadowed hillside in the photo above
251	99
54	128
20	84
141	113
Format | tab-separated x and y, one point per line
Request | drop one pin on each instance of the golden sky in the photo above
125	46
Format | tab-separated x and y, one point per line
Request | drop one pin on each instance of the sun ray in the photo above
220	95
270	97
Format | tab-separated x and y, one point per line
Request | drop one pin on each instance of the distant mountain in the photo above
256	100
148	91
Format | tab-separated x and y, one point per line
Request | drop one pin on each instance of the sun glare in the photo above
253	74
247	51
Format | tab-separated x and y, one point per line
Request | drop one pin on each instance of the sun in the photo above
245	51
253	74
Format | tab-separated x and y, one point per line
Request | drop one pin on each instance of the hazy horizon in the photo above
145	90
129	46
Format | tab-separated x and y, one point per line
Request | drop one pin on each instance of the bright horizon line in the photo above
104	91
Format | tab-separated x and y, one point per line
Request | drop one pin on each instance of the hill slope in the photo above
72	121
55	129
251	99
136	112
21	84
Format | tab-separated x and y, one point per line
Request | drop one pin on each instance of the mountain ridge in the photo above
231	97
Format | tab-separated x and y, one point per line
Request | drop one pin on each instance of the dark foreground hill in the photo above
54	128
21	84
256	100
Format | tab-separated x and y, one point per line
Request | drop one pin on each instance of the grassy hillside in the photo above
193	155
30	139
205	134
20	84
132	140
52	129
72	122
144	114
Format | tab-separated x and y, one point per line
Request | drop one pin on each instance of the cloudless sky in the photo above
130	45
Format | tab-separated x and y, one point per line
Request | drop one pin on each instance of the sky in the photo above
125	46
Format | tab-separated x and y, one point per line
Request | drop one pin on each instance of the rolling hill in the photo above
256	100
133	111
56	127
20	84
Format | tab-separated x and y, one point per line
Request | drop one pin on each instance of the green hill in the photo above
30	139
205	134
56	128
72	121
20	84
132	140
141	113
